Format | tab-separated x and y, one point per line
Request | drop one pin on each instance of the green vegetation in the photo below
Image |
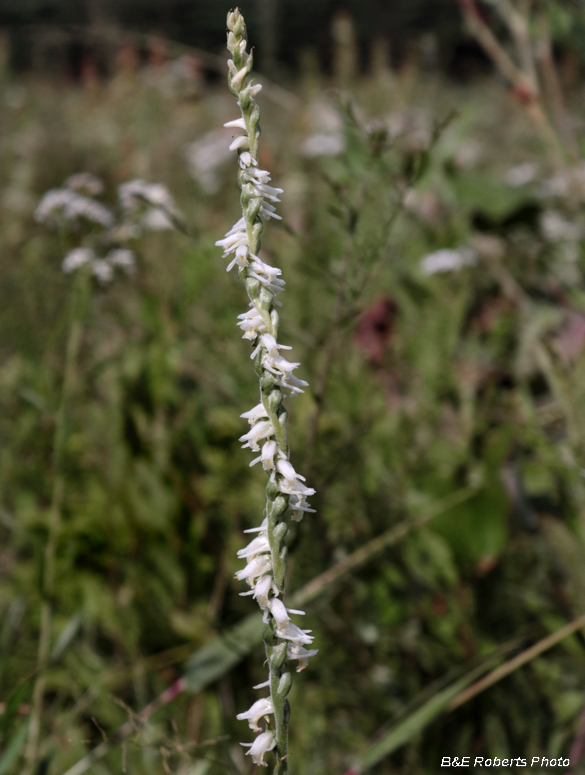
450	403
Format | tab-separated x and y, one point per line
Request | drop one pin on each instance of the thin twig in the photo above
522	82
553	86
126	730
577	747
518	661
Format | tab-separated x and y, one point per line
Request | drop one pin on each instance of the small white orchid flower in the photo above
295	651
259	709
258	566
261	430
262	744
258	545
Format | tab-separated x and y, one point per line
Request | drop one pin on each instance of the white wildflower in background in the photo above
327	138
137	192
74	202
414	125
77	258
323	145
205	157
556	228
149	204
123	258
568	184
67	204
86	183
448	260
521	174
265	555
102	268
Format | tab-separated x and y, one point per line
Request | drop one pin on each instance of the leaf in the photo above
18	695
494	199
14	748
66	638
221	654
419	719
477	529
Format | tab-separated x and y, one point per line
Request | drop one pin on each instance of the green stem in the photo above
74	337
271	395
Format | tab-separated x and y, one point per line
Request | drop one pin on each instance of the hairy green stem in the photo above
271	395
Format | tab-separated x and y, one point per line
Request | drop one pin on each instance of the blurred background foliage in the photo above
446	388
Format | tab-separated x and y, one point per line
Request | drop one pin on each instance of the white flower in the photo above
271	282
236	237
299	507
268	211
123	258
264	586
261	430
289	631
285	468
555	228
295	487
251	323
205	157
262	685
257	567
269	450
72	206
284	627
295	651
262	744
237	123
77	258
323	145
293	384
256	413
277	364
521	174
263	528
258	545
259	709
448	260
259	180
241	141
85	182
281	612
156	220
136	192
269	343
261	268
102	269
246	160
241	258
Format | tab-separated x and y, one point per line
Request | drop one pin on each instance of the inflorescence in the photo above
266	554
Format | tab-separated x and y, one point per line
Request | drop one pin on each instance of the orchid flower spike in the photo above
266	553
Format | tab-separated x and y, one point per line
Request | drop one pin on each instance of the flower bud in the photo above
284	684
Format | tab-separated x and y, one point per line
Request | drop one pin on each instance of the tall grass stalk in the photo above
79	293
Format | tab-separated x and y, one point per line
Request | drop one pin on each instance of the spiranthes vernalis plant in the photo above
266	554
